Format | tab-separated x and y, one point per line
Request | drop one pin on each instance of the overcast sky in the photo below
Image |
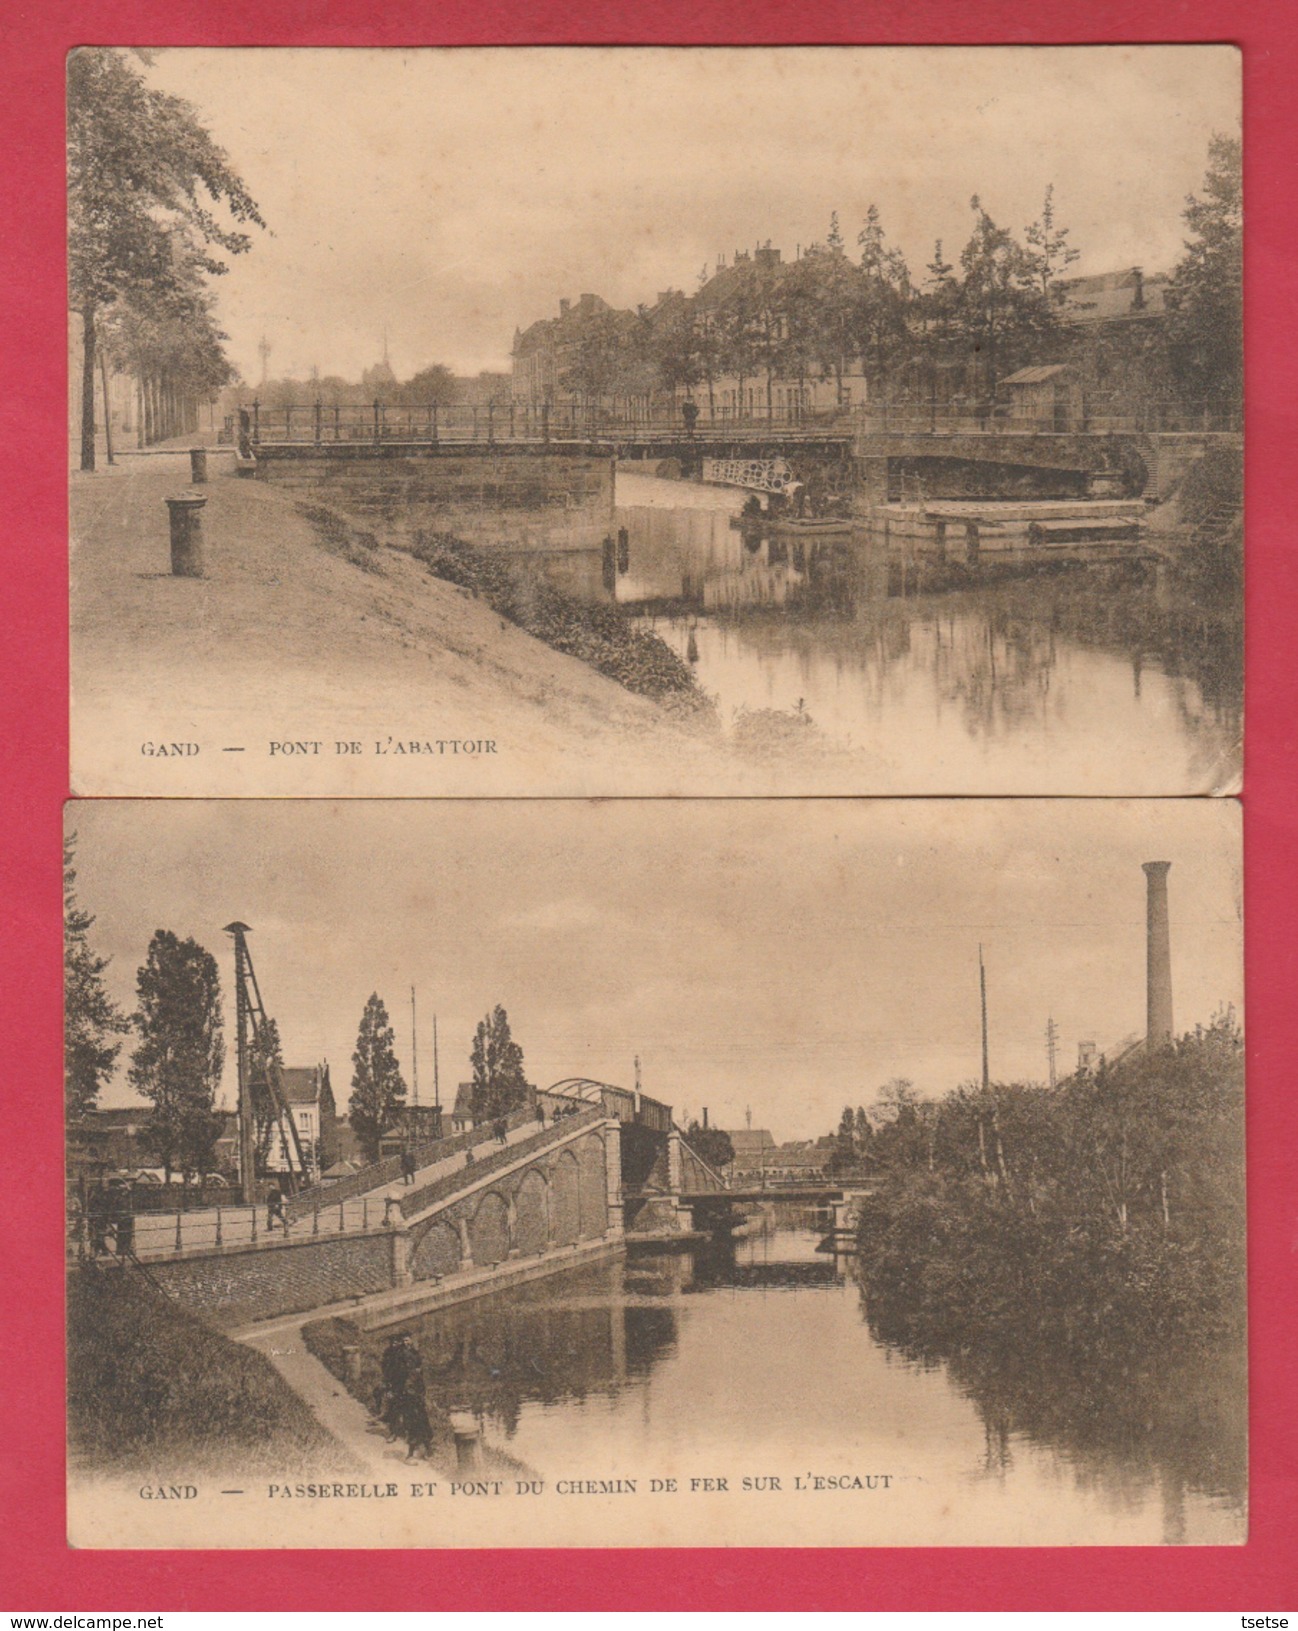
450	195
785	954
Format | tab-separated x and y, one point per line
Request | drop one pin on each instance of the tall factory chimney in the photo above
1158	956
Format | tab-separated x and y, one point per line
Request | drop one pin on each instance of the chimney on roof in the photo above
1138	299
1158	956
705	1118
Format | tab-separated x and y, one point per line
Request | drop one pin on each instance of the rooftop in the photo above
302	1083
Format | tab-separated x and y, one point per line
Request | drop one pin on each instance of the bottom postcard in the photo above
674	1173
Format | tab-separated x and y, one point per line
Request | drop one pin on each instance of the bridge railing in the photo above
356	423
387	1171
379	422
450	1183
153	1236
1095	414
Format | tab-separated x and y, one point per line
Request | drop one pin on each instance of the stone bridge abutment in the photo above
561	1196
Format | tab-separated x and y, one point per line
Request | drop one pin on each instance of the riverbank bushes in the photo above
1211	504
603	636
150	1385
1105	1215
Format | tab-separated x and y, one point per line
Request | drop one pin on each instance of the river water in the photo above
756	1360
1095	681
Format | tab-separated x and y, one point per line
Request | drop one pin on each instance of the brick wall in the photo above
239	1286
554	499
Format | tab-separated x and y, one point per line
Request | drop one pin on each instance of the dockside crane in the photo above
253	1044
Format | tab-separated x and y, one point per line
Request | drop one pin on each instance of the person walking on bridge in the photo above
275	1209
124	1228
407	1165
97	1220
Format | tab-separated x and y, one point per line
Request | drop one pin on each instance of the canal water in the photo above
1098	680
756	1360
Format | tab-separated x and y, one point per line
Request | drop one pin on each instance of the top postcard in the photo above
642	421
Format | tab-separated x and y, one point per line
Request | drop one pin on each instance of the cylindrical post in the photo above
198	465
218	1224
511	421
365	1212
178	1233
317	419
342	1218
491	422
315	1218
338	428
377	412
475	423
186	520
256	421
1158	956
253	1214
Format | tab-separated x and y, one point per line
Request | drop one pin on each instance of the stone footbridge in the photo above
561	1186
604	1160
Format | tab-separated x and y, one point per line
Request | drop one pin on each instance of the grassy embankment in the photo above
605	637
151	1386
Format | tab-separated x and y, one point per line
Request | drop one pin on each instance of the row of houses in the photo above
114	1142
1109	374
760	1160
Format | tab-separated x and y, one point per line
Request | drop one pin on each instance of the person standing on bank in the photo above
392	1371
416	1428
275	1209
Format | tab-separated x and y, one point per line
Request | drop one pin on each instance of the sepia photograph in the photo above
642	421
445	1173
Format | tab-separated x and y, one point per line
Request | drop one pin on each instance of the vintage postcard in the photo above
656	421
446	1173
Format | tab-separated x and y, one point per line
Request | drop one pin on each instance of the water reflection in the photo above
1102	680
759	1357
1153	1427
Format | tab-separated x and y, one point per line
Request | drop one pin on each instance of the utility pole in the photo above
982	990
1052	1044
247	1122
414	1052
437	1097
